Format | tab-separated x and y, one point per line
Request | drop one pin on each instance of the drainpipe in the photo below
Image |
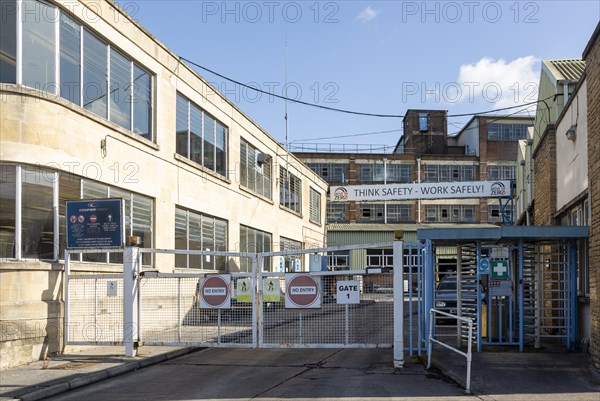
522	192
529	180
385	183
419	181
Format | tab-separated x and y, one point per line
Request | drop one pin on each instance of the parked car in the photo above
445	298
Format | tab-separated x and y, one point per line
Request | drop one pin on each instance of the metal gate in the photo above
148	307
517	284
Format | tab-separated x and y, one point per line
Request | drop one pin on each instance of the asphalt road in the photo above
276	374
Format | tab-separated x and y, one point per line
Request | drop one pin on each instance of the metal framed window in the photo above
253	240
255	176
506	131
199	136
450	213
449	172
32	208
290	191
501	172
330	172
336	212
315	206
46	49
200	232
290	263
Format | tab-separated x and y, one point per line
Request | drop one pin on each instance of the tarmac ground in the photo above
167	373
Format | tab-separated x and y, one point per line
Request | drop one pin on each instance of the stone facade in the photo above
44	136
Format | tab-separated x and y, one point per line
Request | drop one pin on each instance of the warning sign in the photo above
302	291
214	292
271	290
244	290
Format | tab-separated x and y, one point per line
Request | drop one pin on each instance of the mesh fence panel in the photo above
95	312
171	314
368	323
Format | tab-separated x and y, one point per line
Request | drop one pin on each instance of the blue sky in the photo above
380	57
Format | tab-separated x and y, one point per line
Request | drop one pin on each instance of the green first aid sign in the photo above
500	269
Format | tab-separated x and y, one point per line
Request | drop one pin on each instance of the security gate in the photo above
154	308
517	291
517	284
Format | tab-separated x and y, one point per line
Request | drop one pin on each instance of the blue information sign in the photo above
95	223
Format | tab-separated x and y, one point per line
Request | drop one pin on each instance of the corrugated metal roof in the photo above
569	69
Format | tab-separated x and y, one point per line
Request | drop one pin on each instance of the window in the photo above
290	191
38	189
255	175
94	74
8	41
499	214
255	241
423	122
445	172
399	213
62	57
399	172
200	137
330	172
8	178
198	232
138	218
315	206
70	59
339	260
380	257
380	172
291	263
371	172
37	216
120	89
501	172
506	132
336	212
371	212
450	213
39	45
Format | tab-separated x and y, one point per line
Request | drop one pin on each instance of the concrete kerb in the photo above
94	377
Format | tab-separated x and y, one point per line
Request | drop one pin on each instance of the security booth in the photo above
517	283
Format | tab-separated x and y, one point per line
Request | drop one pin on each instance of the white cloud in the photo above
500	83
368	14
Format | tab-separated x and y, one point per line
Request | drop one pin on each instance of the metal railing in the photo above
340	148
432	340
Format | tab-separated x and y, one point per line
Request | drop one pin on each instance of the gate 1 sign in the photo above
96	223
214	292
347	292
302	291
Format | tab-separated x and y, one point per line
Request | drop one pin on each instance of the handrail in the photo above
432	340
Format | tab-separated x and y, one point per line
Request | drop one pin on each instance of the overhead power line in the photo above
346	111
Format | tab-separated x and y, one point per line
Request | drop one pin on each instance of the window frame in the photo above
206	120
315	206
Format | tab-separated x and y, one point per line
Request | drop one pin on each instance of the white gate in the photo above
148	307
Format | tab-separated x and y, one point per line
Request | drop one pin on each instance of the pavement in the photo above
78	373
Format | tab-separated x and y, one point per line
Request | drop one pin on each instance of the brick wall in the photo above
544	172
592	57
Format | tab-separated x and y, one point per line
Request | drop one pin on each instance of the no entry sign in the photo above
214	292
302	291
